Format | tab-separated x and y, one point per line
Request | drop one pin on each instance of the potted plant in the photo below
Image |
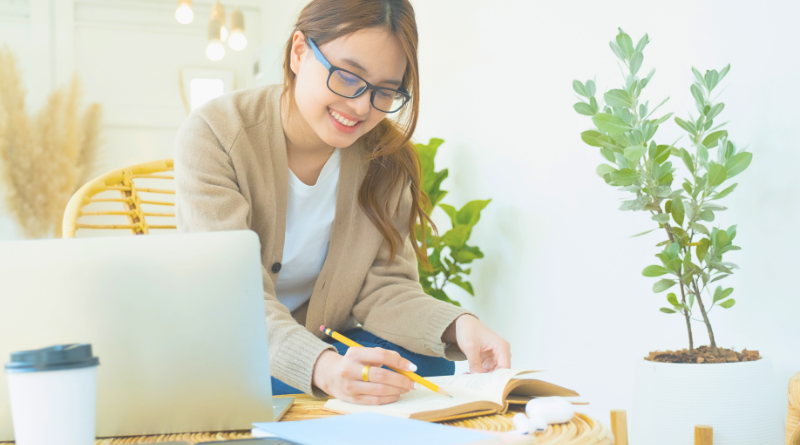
449	255
676	390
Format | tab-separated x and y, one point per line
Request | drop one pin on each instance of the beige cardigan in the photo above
232	173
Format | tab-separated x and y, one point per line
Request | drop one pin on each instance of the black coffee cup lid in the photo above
53	358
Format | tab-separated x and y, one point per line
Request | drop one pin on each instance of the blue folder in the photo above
372	429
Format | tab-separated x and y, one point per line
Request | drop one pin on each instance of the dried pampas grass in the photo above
43	160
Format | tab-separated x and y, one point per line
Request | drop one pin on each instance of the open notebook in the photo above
473	395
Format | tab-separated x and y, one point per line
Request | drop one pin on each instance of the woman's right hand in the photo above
341	376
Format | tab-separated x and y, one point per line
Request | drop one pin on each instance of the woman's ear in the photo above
298	51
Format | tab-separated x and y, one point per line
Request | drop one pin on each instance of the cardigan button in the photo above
276	267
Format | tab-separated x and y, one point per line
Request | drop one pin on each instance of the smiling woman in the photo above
332	187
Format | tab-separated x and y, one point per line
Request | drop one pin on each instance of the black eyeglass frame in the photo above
331	68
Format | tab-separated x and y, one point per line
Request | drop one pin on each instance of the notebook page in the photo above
415	401
489	386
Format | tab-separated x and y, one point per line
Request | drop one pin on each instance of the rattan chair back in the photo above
131	199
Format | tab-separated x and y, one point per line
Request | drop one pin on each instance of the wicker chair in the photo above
125	199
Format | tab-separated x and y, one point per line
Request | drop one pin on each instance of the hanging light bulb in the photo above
238	40
214	51
184	14
218	12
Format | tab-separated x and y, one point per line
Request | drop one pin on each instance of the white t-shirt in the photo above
309	218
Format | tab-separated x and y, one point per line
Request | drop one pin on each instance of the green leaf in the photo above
691	301
635	152
467	286
731	232
720	267
712	139
727	304
738	163
661	218
721	239
675	265
440	295
456	237
584	108
578	87
700	228
625	44
610	124
662	153
618	98
451	212
604	169
702	152
711	79
608	154
725	192
687	160
673	299
470	214
636	62
654	271
642	43
685	125
717	175
672	251
662	285
698	94
722	294
624	177
698	76
707	215
667	310
677	211
617	50
643	233
591	137
723	72
466	255
589	88
715	110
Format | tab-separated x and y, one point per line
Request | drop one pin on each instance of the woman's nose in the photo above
362	104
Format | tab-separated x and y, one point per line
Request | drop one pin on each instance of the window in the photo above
203	90
202	85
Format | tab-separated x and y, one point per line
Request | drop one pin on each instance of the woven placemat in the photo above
581	430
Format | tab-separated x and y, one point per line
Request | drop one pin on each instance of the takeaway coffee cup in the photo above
53	395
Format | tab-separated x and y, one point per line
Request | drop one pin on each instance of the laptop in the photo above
176	320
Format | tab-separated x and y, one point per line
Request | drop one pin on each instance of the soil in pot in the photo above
703	355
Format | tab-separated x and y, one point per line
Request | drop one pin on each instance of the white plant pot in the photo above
739	400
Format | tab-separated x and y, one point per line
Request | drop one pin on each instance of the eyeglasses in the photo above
351	85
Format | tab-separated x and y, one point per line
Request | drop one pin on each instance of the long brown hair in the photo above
393	161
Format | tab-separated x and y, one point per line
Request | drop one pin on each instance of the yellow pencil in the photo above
430	385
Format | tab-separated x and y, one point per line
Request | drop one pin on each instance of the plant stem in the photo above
683	294
705	318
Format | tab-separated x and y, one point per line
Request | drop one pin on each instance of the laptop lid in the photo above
176	320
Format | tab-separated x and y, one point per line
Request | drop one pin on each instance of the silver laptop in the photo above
177	322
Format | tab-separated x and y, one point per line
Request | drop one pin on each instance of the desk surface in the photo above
581	430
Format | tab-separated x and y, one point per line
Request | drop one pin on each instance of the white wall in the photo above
128	55
561	279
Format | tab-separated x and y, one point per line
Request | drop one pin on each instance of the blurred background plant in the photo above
692	253
448	253
44	159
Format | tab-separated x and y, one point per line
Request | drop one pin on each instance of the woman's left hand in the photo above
485	350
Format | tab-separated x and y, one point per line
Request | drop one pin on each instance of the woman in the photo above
335	224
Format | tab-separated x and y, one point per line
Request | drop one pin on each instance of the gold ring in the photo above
365	373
